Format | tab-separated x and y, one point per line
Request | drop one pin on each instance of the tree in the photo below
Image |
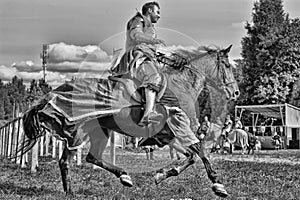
36	90
270	52
15	93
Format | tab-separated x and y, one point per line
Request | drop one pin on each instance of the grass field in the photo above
267	175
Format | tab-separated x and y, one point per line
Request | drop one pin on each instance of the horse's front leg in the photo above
177	166
217	187
64	165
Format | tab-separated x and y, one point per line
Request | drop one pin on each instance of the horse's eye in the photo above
226	63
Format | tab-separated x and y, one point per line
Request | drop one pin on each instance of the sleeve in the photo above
135	28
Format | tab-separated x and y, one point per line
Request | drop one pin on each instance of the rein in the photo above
187	63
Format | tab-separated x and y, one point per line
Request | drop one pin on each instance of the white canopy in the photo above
290	115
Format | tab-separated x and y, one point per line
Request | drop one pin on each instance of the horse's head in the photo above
210	65
218	71
225	75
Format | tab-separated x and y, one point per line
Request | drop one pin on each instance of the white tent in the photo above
288	114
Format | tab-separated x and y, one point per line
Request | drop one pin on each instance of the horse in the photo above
237	138
84	110
212	139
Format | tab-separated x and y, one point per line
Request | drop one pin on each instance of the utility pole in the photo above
44	56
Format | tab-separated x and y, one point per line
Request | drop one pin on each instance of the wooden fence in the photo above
12	135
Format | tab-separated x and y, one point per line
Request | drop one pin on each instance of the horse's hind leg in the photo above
98	139
64	165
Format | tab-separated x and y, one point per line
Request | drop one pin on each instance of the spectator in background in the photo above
227	126
276	140
238	124
204	128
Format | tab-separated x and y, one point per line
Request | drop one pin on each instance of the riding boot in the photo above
150	115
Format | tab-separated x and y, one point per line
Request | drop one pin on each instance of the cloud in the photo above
65	61
27	66
62	52
238	25
6	74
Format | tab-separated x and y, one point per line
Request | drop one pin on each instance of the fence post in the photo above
112	148
1	140
34	157
13	137
24	160
42	145
78	156
53	147
60	148
8	140
47	140
24	157
18	140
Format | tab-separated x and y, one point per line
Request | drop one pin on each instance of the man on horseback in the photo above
238	124
139	60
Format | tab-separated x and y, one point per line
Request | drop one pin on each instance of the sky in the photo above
82	34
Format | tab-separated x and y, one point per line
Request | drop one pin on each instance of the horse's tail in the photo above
32	130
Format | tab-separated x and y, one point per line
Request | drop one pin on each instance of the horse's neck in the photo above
193	78
187	82
205	67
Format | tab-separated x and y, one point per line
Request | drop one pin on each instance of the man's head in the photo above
206	118
228	116
151	10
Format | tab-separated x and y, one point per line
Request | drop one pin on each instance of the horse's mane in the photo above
194	53
188	76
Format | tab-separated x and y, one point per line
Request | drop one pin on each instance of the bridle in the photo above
217	69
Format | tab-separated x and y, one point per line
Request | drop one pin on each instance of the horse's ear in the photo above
226	51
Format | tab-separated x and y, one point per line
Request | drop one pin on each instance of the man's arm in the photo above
137	34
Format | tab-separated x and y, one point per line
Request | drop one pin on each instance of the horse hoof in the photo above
219	190
126	180
159	177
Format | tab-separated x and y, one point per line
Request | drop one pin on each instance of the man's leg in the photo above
151	81
150	115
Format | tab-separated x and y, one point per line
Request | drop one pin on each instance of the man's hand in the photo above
201	136
159	41
179	62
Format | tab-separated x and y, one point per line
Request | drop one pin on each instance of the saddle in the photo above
131	85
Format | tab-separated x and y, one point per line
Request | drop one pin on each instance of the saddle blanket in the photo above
91	97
